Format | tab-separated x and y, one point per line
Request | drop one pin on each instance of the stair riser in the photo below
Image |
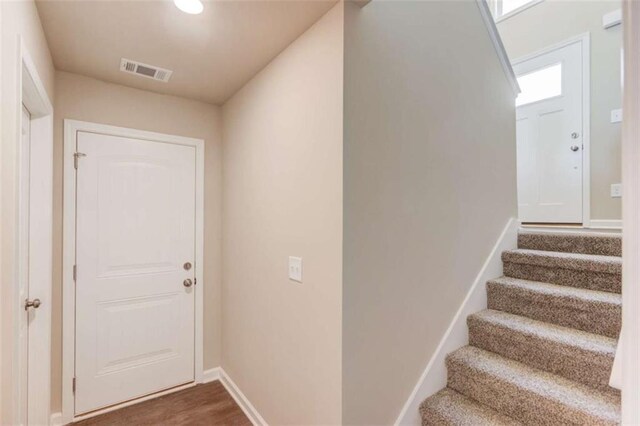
511	400
593	317
601	281
590	368
567	243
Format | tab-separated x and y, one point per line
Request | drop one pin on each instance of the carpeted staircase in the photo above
541	354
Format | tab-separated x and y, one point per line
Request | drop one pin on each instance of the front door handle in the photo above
187	282
574	148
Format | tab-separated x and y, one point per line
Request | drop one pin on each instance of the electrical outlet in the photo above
616	190
295	268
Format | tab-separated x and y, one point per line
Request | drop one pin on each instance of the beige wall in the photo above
429	184
283	197
86	99
553	21
17	18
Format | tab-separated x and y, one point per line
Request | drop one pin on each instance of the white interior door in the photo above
23	262
34	268
135	219
549	133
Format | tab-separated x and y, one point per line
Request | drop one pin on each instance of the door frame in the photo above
585	40
71	128
33	96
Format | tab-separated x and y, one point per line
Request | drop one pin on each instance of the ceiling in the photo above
212	55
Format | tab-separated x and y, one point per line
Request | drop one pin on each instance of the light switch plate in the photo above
616	190
616	115
295	268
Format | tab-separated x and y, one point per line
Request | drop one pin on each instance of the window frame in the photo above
499	16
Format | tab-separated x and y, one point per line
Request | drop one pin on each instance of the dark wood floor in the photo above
208	404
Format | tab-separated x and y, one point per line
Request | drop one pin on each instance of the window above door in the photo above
504	9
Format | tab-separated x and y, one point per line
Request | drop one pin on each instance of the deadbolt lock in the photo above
187	266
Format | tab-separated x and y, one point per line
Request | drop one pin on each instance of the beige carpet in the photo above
542	353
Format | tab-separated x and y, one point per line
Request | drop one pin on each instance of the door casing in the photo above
37	216
71	127
584	40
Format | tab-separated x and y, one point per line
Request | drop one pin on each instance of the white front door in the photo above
135	239
549	127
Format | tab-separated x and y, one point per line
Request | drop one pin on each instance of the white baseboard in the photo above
244	403
613	224
208	376
434	376
56	419
211	375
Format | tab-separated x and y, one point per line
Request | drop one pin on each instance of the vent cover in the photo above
145	70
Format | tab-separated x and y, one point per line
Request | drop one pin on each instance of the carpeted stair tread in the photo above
590	271
597	312
576	355
448	407
526	394
606	244
576	261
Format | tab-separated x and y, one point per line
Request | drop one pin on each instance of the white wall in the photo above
429	184
87	99
551	22
283	197
18	18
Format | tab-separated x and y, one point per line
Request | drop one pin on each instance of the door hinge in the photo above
77	155
73	385
75	272
195	281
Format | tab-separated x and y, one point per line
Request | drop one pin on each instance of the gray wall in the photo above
551	22
429	184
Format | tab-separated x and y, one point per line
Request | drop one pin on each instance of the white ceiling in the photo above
212	55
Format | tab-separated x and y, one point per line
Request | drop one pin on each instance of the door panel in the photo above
549	137
135	230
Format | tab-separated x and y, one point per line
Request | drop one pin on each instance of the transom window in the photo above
541	84
506	8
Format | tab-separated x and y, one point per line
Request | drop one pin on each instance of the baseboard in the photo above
56	419
613	224
434	376
244	403
208	376
211	375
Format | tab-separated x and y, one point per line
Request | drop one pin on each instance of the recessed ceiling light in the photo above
192	7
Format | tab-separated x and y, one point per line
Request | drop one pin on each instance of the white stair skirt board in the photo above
434	376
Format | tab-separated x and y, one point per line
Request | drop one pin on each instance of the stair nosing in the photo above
582	340
560	290
565	260
547	385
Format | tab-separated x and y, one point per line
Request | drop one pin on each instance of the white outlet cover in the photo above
616	190
295	268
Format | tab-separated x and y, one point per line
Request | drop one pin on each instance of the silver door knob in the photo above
187	282
574	148
35	303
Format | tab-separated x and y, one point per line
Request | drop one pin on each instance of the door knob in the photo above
35	303
187	282
574	148
574	135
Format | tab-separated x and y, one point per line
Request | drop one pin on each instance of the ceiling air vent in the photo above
145	70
